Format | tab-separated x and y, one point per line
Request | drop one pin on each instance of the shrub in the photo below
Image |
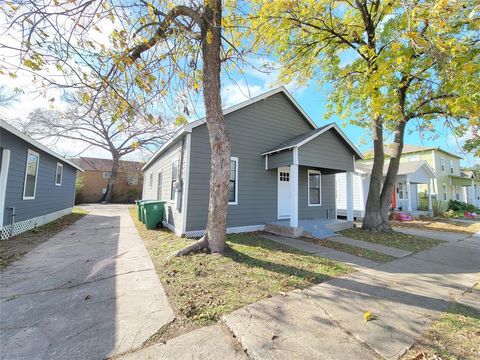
456	205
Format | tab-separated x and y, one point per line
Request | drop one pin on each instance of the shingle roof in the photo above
28	139
97	164
297	139
409	148
404	168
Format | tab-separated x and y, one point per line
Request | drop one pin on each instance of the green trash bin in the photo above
139	209
153	213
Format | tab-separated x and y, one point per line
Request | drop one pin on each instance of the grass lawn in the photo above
354	250
454	336
14	248
202	287
441	225
393	239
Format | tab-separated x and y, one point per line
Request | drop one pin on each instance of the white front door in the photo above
283	192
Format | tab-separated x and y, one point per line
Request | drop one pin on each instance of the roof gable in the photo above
300	140
188	128
28	139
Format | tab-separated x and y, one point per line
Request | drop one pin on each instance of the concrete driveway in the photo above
89	292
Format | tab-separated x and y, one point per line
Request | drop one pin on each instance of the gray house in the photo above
283	169
36	184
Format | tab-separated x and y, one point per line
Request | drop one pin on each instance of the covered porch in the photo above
305	168
414	179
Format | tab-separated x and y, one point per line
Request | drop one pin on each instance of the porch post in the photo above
409	195
350	195
294	195
430	208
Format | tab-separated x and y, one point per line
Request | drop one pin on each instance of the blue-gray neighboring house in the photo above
283	169
36	184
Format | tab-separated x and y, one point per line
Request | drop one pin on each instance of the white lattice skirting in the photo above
230	230
22	226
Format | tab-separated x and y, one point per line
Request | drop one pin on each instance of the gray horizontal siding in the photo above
284	158
253	130
327	191
326	151
48	197
164	164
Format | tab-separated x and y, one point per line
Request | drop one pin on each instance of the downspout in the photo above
180	178
4	167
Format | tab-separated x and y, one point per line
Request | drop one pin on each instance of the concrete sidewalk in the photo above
89	292
326	320
322	251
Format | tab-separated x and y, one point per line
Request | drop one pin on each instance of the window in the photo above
174	179
442	164
444	188
451	167
159	186
132	179
150	181
400	192
31	172
106	174
59	175
233	183
314	188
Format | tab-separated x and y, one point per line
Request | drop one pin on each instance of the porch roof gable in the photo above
302	139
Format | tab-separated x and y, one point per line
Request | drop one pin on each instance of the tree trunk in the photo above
217	130
373	221
391	177
107	197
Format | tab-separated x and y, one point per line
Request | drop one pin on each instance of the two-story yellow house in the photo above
450	182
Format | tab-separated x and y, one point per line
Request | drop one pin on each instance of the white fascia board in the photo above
255	99
28	139
166	145
340	132
194	124
428	168
303	142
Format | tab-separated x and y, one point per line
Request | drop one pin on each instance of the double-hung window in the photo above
150	180
452	169
400	191
59	174
174	179
31	173
444	188
233	182
442	164
106	174
314	188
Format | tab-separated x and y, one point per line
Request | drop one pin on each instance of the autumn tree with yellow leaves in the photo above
389	64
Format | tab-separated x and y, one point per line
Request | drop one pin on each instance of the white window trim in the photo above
108	176
444	192
401	191
442	164
175	192
56	174
452	167
150	180
233	158
160	176
36	176
308	186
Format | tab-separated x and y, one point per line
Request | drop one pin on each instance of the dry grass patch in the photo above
202	287
14	248
354	250
441	225
393	239
455	336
